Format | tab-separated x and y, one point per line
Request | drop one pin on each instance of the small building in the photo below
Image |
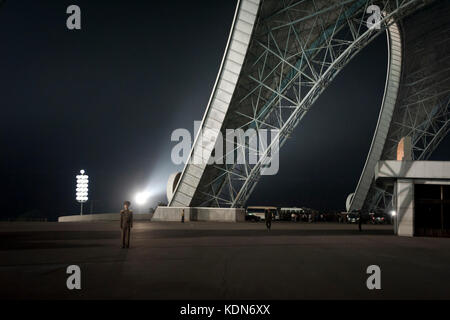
421	197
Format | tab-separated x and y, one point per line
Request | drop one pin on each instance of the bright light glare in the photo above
82	187
393	213
142	197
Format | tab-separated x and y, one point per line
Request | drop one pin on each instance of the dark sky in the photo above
107	98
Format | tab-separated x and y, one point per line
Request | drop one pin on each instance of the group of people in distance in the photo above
126	222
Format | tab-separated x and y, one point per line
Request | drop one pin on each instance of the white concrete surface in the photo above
199	214
103	217
413	169
404	190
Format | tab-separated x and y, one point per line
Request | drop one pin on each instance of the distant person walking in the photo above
268	218
182	216
360	221
126	223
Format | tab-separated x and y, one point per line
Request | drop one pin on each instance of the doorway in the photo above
432	210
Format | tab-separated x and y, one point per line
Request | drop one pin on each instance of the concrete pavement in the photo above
219	261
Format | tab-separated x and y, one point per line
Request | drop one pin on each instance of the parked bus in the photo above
259	211
291	214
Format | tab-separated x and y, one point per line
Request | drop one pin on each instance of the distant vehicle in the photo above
353	217
252	218
291	214
260	212
378	219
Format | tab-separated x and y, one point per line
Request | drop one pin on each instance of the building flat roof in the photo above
389	169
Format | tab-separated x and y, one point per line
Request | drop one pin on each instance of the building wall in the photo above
103	217
199	214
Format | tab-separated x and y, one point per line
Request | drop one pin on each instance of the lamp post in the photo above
82	189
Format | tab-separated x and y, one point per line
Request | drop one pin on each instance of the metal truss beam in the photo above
294	55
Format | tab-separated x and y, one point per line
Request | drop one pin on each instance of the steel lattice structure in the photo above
422	109
280	57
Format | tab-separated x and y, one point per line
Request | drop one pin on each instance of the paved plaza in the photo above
219	261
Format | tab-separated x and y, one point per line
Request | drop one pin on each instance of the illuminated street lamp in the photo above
394	220
82	189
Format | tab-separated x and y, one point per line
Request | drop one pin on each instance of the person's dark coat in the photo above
126	223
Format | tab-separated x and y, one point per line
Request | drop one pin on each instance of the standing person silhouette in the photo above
268	218
126	223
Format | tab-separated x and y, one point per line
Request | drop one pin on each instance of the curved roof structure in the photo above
281	55
217	109
423	95
384	120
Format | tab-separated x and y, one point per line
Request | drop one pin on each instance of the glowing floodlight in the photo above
82	189
142	197
393	213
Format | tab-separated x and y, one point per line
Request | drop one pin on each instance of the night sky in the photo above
107	98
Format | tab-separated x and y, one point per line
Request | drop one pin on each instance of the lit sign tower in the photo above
82	189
